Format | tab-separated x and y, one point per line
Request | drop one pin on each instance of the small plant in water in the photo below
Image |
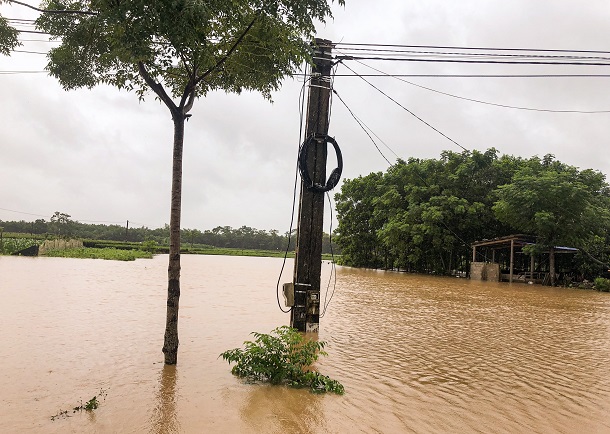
90	405
282	357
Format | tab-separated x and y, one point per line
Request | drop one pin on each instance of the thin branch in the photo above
231	50
189	90
157	88
51	11
605	264
189	105
182	58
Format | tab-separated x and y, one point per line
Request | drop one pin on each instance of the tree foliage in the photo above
282	357
423	215
181	49
558	203
8	36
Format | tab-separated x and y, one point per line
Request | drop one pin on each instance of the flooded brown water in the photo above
415	354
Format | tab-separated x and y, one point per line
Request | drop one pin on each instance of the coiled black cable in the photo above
335	175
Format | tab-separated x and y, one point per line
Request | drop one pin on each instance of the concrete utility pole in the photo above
305	313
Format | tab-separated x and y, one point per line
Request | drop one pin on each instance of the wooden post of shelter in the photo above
512	260
305	313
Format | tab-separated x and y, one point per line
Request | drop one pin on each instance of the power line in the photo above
21	72
448	47
29	52
390	164
46	216
362	126
487	102
479	75
33	31
38	40
20	20
306	79
360	51
497	62
22	212
407	110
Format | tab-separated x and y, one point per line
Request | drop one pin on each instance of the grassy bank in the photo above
129	251
95	253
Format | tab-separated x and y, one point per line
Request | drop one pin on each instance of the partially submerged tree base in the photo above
282	357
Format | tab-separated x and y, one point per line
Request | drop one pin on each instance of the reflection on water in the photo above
165	419
415	353
270	409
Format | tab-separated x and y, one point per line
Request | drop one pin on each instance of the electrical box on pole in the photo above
305	312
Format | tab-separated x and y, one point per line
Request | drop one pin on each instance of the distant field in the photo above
94	253
107	249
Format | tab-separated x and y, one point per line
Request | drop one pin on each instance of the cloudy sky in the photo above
100	155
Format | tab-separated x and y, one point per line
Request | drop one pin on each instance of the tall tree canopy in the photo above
557	203
180	50
423	215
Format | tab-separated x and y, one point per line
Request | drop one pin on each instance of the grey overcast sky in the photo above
101	156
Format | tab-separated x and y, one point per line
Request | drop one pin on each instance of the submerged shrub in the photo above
282	357
602	284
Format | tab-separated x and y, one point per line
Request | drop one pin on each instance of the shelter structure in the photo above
489	269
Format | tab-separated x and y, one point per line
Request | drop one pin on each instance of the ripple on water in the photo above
415	353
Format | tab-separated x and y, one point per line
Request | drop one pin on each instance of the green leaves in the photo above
8	37
180	49
282	357
554	201
422	215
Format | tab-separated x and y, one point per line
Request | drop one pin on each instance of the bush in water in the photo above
282	357
602	284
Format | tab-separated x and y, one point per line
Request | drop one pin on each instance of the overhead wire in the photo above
29	52
449	47
497	62
481	101
294	192
22	72
46	216
479	75
362	126
475	55
333	269
407	110
390	164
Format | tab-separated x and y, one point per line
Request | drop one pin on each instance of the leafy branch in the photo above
90	405
53	11
282	357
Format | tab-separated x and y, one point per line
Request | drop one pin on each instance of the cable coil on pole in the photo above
335	175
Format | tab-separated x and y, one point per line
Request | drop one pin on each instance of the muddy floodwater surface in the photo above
416	354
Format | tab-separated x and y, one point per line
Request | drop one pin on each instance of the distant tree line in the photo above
60	224
422	215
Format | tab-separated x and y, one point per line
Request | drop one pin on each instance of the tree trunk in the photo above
170	343
552	265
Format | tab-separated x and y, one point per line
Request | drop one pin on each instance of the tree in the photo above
556	202
61	220
180	50
8	36
357	230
